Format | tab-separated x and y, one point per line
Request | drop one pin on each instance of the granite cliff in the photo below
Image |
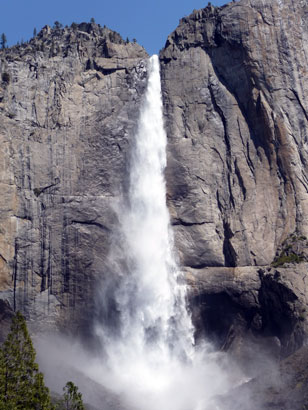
234	86
69	100
235	91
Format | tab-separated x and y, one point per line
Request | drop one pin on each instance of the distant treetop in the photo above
3	40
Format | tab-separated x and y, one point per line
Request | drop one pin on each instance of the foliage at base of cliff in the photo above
22	385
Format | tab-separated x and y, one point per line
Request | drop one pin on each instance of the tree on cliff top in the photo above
21	384
3	40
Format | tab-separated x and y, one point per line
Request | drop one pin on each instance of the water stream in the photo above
151	296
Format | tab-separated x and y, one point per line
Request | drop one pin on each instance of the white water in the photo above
151	297
150	357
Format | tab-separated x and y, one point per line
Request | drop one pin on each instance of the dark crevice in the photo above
230	190
39	191
106	71
227	142
300	103
282	171
249	161
49	266
15	275
228	250
203	266
219	204
246	147
240	179
93	223
201	179
218	153
24	217
65	257
43	246
185	223
3	258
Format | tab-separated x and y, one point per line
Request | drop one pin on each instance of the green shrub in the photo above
284	258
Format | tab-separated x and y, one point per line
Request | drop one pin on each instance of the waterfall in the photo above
151	298
150	356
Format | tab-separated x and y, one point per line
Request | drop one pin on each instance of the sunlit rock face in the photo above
69	103
234	84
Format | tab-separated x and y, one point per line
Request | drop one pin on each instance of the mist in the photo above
137	385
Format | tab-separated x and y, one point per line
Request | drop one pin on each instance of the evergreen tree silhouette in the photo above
21	384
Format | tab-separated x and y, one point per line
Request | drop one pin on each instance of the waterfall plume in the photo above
150	356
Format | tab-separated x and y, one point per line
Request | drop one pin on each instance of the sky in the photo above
148	21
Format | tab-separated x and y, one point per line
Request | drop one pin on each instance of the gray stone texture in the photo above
235	91
69	103
235	94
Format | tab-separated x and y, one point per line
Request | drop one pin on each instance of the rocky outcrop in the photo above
235	95
250	309
69	100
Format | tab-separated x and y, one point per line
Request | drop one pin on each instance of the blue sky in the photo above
149	21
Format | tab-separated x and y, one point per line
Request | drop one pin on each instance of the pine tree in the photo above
21	384
3	40
72	398
57	25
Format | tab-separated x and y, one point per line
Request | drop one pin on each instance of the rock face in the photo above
69	100
235	94
235	89
250	309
